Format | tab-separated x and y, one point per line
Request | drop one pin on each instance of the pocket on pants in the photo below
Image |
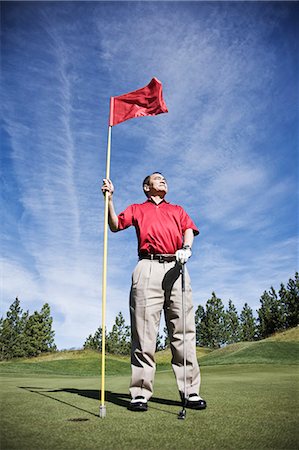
141	274
136	275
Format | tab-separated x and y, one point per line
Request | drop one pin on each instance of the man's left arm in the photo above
188	237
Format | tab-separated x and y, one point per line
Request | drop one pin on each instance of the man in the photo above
165	236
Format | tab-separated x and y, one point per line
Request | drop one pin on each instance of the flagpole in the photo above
104	278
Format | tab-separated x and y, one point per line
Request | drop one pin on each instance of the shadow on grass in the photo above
44	393
116	398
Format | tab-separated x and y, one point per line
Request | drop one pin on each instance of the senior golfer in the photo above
165	236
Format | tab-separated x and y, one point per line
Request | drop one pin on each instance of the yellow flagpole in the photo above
104	279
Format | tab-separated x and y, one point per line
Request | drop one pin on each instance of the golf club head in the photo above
182	414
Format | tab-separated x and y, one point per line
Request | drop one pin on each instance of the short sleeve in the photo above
187	222
125	218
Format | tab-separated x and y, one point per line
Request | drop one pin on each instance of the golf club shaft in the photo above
184	331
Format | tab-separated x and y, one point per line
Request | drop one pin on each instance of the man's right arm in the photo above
108	189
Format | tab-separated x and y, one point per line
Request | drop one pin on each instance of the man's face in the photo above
157	184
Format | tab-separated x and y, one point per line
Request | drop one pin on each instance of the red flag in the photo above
147	101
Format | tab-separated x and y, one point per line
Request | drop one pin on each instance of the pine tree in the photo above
48	335
119	338
214	323
247	324
271	314
166	343
24	335
11	332
159	343
163	340
94	342
232	324
38	333
290	300
200	326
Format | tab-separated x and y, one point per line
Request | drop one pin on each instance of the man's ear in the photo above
146	187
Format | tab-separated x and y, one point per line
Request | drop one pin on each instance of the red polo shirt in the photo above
159	228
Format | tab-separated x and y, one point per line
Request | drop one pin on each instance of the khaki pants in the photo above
157	286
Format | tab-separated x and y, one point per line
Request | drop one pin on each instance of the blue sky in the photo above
228	147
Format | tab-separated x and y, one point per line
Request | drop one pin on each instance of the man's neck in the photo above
156	199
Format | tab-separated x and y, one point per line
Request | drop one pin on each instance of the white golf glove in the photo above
183	254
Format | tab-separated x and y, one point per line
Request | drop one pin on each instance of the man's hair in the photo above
147	178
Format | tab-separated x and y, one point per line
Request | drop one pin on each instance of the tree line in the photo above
25	335
216	325
22	334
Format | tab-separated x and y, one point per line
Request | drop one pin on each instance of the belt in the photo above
159	257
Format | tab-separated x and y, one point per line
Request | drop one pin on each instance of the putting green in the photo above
249	407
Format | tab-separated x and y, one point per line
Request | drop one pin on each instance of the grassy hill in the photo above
81	363
70	363
261	352
281	348
291	335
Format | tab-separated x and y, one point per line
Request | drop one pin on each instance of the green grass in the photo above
291	335
69	365
281	348
249	407
262	352
52	402
80	363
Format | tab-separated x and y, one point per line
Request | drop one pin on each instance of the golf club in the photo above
182	413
